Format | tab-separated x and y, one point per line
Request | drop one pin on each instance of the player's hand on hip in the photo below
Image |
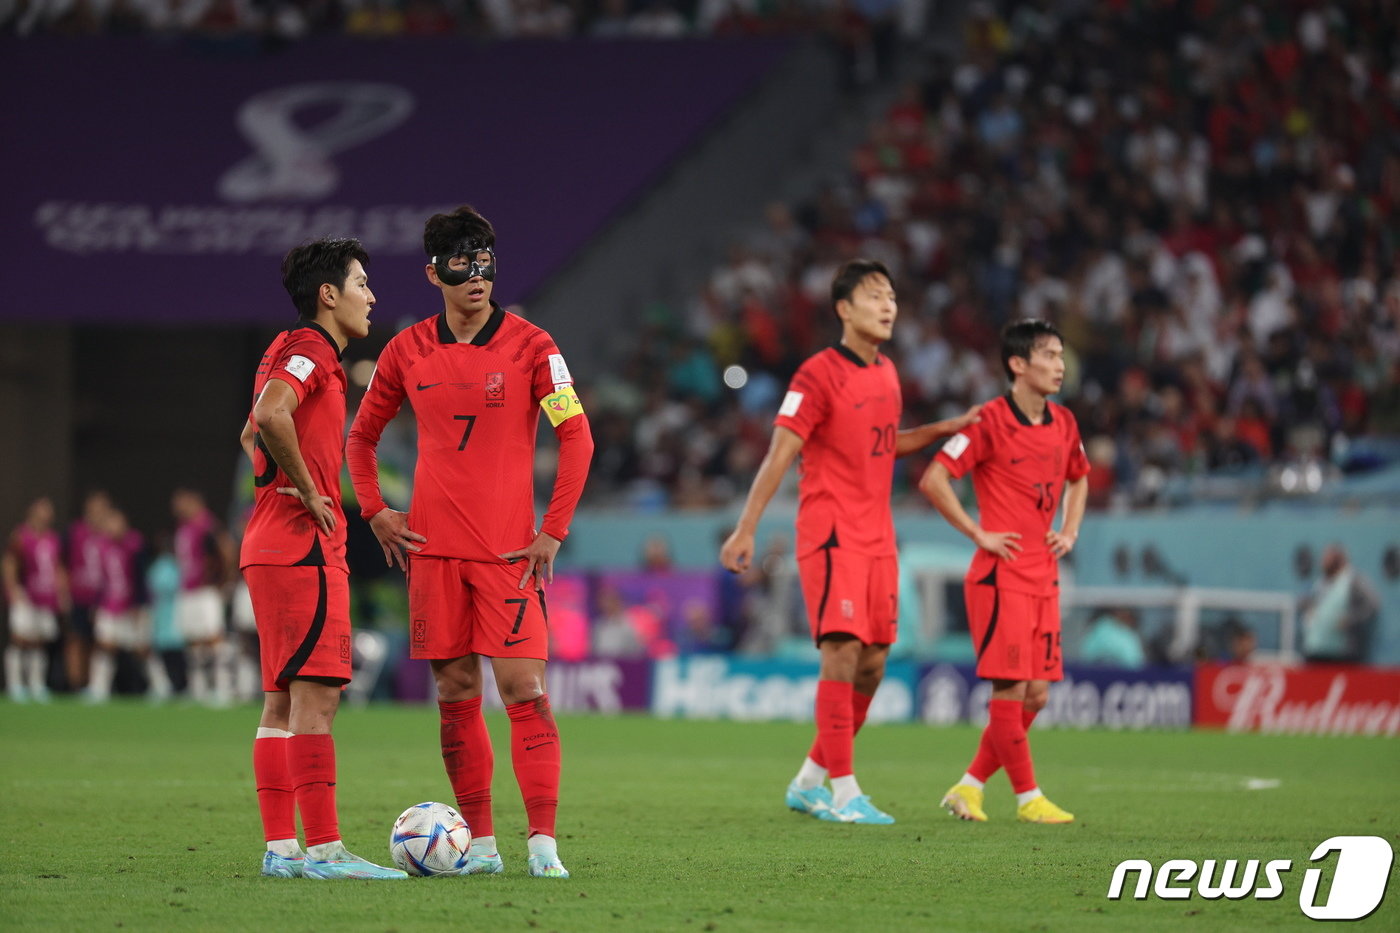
1004	544
391	528
737	552
538	556
322	508
1059	542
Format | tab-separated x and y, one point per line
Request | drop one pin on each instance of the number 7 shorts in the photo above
462	607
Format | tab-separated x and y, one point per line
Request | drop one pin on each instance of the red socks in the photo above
277	800
467	756
860	708
836	726
311	766
534	751
986	763
1006	732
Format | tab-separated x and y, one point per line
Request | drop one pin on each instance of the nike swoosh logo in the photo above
421	386
512	642
531	748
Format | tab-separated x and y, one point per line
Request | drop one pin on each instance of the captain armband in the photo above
561	405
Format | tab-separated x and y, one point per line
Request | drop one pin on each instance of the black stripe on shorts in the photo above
313	634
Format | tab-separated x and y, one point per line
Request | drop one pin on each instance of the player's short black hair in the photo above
1019	338
444	233
851	274
309	266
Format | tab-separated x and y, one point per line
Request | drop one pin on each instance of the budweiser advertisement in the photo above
1323	700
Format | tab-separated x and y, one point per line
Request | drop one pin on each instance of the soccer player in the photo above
1026	460
204	551
120	625
83	552
841	413
476	560
37	588
293	557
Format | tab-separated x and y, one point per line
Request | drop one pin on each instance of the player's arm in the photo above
937	486
65	600
737	551
379	406
1076	497
915	439
9	571
575	455
248	441
272	413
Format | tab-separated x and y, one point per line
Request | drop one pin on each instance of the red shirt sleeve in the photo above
380	404
302	364
575	456
806	404
575	442
1077	464
964	450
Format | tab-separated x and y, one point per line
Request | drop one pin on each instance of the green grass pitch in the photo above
133	818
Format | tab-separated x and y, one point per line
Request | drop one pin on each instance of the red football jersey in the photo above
1019	472
477	406
281	532
847	413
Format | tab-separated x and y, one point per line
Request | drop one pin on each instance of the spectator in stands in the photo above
1114	640
614	635
1338	615
1239	641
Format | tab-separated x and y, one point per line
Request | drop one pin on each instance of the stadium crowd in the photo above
1201	196
863	23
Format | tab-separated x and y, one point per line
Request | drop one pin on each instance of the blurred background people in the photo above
36	587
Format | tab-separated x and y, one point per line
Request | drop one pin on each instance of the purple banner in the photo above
596	686
669	612
178	180
1156	698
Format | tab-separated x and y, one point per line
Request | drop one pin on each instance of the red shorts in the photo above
303	618
462	607
854	594
1017	635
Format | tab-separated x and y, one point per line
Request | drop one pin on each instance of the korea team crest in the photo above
495	387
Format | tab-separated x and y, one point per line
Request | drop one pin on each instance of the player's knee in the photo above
521	689
458	679
1036	699
869	676
276	711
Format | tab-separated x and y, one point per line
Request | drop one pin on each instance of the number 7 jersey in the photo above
477	407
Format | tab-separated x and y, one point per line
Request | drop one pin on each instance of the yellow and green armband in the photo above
561	405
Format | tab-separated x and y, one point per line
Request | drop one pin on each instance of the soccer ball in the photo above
430	839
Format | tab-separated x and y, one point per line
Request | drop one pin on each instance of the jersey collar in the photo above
483	336
1021	416
312	325
851	355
